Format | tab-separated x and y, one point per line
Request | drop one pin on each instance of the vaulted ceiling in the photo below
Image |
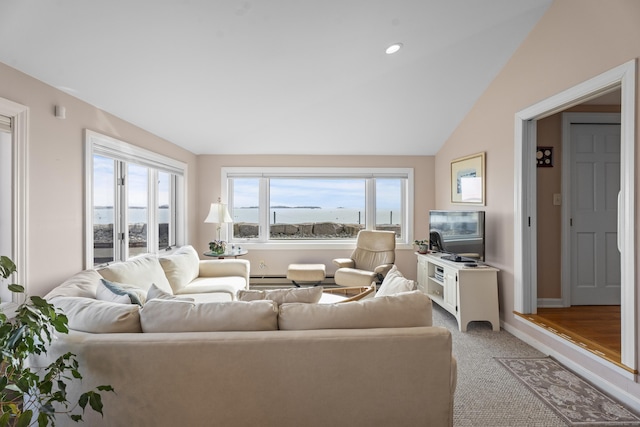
277	76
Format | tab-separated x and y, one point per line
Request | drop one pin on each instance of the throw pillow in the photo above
394	282
181	267
281	296
157	293
403	310
99	317
181	316
120	293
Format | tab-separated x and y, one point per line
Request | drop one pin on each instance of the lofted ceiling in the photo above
277	76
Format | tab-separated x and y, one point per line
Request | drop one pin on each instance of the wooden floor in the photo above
593	327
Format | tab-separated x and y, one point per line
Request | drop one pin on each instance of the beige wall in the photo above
209	176
55	206
574	41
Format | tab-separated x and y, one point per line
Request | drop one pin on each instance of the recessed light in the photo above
393	48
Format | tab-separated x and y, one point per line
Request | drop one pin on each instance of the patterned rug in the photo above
572	398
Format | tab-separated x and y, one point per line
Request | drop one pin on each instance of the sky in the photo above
137	183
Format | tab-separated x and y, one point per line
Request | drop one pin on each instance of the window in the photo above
6	198
289	205
134	202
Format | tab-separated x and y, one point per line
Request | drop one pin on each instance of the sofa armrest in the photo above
225	267
344	262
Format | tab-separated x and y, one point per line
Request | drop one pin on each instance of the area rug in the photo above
572	398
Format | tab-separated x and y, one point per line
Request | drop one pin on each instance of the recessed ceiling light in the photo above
393	48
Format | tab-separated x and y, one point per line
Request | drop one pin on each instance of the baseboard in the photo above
282	281
550	302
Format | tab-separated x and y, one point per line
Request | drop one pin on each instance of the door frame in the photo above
567	120
525	228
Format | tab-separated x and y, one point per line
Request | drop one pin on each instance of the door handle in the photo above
618	234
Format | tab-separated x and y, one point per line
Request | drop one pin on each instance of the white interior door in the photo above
595	183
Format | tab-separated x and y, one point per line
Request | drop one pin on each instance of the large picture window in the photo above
281	205
134	201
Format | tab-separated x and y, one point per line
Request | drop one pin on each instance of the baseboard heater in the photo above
281	280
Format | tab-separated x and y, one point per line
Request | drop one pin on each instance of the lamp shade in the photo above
218	214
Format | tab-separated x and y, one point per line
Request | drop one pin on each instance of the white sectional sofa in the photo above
374	362
182	274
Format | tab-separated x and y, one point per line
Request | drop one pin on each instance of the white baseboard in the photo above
550	302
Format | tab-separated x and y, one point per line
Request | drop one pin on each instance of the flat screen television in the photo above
460	234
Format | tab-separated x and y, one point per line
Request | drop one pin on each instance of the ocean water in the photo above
282	216
136	215
302	215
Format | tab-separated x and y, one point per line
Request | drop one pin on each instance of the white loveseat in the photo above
374	362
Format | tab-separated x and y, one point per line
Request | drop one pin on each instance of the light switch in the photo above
557	199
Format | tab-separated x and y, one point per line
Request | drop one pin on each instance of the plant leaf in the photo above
16	288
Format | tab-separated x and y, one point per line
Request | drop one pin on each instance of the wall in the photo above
209	177
55	208
563	50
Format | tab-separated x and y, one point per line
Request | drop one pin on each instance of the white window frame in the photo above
20	190
102	145
320	172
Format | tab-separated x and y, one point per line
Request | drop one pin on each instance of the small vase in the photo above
423	249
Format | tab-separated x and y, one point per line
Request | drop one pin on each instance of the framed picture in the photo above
544	157
467	180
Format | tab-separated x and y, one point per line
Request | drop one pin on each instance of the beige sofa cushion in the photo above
181	316
281	296
99	317
82	284
396	311
181	267
140	271
394	283
230	284
157	293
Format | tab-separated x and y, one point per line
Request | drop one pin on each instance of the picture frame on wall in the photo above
468	180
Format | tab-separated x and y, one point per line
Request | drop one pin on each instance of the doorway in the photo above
526	219
578	259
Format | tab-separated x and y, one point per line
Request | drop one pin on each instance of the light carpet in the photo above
575	400
486	393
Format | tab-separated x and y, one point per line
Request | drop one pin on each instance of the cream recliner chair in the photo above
372	258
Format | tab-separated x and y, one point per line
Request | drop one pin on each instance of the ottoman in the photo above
314	273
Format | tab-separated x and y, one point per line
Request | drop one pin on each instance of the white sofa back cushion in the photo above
182	316
403	310
141	271
99	317
181	267
82	284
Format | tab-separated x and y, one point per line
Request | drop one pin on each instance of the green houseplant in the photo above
27	395
423	245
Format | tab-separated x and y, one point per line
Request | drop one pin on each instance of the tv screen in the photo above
458	233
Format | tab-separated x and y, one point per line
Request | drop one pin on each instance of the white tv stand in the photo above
469	293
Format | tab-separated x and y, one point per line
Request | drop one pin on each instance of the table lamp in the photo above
219	214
